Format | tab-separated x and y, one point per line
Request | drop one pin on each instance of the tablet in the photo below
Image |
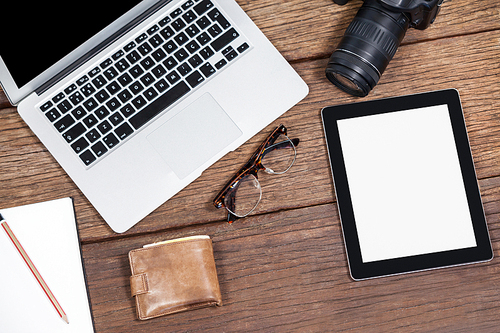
405	183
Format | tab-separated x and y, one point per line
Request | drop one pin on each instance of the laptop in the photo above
135	99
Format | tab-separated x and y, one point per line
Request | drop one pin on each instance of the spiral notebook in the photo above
47	231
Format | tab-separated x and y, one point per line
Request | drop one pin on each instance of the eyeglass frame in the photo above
253	165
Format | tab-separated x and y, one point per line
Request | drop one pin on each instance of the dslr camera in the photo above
372	38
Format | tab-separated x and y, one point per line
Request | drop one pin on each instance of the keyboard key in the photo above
195	79
122	65
215	30
160	104
113	104
170	46
81	81
99	149
153	29
147	63
88	90
167	32
102	96
207	69
221	64
64	123
133	57
184	69
110	140
192	30
145	48
181	55
156	41
80	145
129	46
87	157
225	39
243	47
147	79
181	38
118	55
207	52
159	71
64	106
159	55
127	110
170	63
192	46
215	15
203	22
78	113
178	24
161	86
94	72
231	55
203	6
104	127
99	81
176	13
106	63
93	135
189	16
47	105
52	115
124	95
141	38
74	132
203	38
70	89
90	120
187	4
173	77
195	61
124	131
110	73
113	87
101	112
139	102
150	94
125	79
76	98
57	98
165	21
116	118
136	87
136	71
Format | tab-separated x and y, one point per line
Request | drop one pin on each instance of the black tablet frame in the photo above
360	270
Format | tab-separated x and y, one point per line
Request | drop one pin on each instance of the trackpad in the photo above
194	136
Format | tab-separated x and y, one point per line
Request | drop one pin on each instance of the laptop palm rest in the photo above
194	136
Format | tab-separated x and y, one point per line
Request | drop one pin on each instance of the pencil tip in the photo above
65	318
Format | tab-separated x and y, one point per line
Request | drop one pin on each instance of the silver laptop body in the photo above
128	162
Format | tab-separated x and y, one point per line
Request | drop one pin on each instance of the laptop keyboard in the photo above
155	69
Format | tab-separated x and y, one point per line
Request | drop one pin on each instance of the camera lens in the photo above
369	43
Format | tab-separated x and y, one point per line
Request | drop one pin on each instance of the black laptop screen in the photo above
37	34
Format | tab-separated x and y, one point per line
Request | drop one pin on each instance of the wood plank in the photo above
328	21
30	174
287	271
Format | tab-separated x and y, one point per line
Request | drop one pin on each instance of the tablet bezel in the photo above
360	270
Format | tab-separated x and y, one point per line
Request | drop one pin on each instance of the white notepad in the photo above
48	233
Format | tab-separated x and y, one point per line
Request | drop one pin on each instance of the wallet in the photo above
174	276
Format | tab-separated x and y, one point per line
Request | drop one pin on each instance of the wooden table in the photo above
284	268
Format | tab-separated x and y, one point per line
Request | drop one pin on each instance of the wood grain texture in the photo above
284	269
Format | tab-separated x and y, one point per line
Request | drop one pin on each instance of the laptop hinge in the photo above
94	51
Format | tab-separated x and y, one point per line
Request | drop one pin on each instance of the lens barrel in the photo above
367	47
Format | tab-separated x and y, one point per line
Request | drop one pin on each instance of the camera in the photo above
372	39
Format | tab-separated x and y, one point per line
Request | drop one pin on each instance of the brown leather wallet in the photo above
174	276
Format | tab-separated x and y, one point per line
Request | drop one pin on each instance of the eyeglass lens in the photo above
245	195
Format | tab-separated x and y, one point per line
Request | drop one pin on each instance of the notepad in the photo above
48	233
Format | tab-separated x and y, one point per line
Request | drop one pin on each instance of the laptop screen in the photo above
39	33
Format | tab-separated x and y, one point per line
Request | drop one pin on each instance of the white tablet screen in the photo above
406	184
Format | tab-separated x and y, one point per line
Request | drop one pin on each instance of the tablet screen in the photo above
406	184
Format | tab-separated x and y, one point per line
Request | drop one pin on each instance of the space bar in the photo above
160	104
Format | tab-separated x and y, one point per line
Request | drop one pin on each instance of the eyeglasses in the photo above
241	195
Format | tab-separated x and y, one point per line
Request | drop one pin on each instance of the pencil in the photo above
33	270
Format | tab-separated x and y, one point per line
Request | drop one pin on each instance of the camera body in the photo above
372	39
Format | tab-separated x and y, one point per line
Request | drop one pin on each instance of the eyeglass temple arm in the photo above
281	145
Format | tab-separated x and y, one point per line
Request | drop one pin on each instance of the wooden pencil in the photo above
33	270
